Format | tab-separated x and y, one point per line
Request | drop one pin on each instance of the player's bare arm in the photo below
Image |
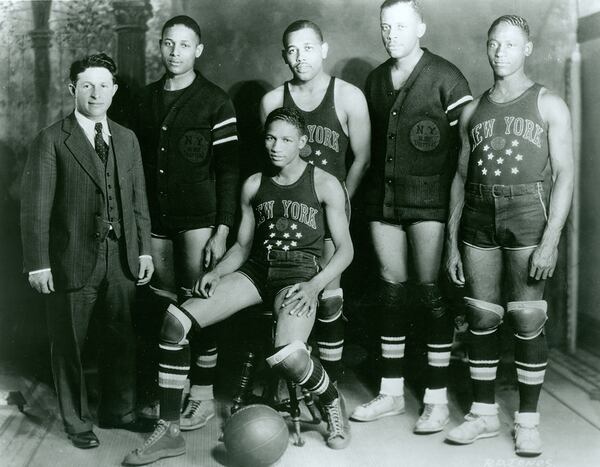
302	298
560	143
354	105
240	250
270	101
453	261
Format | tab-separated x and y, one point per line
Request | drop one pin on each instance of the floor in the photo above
570	429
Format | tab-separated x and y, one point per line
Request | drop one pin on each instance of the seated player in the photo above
285	210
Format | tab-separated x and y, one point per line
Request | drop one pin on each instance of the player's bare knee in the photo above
293	361
527	318
483	317
175	326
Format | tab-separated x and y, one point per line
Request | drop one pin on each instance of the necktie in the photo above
101	146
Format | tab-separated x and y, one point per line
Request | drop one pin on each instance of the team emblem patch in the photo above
282	224
498	143
425	135
306	151
193	145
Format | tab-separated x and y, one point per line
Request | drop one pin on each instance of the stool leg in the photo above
245	384
295	413
309	401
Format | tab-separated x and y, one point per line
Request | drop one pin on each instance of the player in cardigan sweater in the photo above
337	116
511	136
414	100
189	147
276	260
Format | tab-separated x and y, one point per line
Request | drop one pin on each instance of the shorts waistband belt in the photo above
504	191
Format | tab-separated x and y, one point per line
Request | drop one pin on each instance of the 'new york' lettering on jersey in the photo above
327	142
509	141
288	217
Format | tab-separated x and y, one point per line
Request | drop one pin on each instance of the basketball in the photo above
256	435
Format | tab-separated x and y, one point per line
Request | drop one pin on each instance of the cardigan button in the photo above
161	171
164	128
394	113
162	149
392	136
389	180
390	159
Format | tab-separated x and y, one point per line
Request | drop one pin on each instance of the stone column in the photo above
131	17
41	37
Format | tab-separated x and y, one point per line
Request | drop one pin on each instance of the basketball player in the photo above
414	99
275	259
337	118
190	153
512	136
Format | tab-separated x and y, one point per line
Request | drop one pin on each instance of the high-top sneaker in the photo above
381	406
337	423
527	436
196	414
165	441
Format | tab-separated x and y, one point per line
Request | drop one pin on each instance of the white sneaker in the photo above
433	419
382	406
196	414
528	442
475	427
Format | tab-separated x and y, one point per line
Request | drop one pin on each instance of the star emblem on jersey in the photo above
514	170
490	156
284	234
519	157
508	152
484	171
479	162
318	152
497	172
324	162
514	143
500	160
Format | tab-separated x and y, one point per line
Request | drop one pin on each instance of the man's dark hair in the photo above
92	61
184	21
513	20
288	115
413	3
299	25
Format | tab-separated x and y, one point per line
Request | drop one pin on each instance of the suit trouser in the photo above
112	288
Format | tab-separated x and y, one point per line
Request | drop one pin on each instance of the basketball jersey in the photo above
327	142
288	217
509	141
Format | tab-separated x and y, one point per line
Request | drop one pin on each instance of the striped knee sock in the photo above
483	364
329	329
173	367
531	359
203	370
317	381
394	324
440	328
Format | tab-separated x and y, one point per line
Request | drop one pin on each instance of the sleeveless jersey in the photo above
509	141
327	142
288	217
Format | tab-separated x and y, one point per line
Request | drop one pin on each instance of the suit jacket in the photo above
63	202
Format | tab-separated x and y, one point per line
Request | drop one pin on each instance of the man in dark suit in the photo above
86	242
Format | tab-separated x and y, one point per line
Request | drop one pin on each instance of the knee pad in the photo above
483	317
431	298
390	295
293	361
330	308
527	318
175	327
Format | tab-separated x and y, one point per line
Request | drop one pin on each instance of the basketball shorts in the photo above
279	270
511	217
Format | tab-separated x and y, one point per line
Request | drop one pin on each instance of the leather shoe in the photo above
84	440
136	426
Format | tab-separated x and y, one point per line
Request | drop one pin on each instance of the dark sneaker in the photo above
165	441
337	424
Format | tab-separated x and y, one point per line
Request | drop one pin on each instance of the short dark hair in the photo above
92	61
183	20
413	3
513	20
299	25
288	115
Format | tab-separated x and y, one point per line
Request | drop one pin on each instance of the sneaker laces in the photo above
427	411
525	433
159	430
192	408
376	400
334	419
